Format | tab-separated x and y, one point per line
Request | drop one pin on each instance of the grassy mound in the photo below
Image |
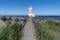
11	32
47	30
42	33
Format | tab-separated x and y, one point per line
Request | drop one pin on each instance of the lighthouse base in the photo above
31	15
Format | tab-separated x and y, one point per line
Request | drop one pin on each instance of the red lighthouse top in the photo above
30	10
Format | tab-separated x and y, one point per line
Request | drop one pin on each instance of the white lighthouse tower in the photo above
30	12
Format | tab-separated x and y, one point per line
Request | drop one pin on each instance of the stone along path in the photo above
2	24
29	31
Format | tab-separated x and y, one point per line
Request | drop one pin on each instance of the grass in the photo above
53	25
11	32
44	32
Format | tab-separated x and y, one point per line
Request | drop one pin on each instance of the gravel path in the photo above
29	31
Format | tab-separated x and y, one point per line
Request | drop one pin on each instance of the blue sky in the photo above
20	7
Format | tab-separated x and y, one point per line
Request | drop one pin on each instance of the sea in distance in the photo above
40	16
49	16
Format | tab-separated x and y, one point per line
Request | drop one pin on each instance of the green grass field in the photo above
47	30
11	32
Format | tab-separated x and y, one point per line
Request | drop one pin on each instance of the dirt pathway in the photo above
29	31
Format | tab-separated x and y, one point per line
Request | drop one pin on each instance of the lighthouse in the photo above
30	12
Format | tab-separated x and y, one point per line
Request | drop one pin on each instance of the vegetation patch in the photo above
42	33
11	32
47	30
